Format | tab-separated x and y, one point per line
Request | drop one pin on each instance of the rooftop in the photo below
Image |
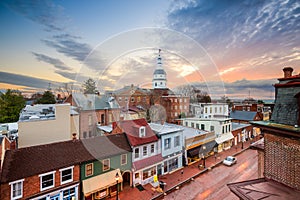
45	158
165	128
263	189
281	128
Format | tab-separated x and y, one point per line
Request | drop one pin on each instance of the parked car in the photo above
229	160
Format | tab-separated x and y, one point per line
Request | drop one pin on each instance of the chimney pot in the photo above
287	72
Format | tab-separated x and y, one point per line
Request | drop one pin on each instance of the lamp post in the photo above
242	140
203	157
117	179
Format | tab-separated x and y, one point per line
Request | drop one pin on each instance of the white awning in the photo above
224	137
100	182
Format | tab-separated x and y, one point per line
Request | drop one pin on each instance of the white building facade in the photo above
220	126
171	141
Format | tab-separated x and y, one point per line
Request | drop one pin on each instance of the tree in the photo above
11	103
225	99
203	97
195	94
47	98
89	87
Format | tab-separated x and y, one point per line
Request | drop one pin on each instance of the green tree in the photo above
47	98
89	86
11	103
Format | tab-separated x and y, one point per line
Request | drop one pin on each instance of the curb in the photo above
175	187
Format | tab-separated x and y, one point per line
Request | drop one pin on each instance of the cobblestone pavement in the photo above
178	179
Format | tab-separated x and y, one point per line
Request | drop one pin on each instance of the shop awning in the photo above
100	182
224	137
201	149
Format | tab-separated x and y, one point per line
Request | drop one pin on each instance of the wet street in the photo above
212	185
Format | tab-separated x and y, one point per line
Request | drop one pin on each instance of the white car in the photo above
229	160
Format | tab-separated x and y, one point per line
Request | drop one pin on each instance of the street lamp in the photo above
117	179
242	140
203	157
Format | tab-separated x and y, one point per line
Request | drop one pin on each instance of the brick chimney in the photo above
287	72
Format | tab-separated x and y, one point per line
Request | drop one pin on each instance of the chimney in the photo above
287	72
74	136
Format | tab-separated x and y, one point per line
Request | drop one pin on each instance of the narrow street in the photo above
212	185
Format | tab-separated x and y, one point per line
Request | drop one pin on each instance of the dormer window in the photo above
142	131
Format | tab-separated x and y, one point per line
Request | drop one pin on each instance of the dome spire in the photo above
159	76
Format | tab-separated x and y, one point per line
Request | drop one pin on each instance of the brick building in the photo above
43	172
281	146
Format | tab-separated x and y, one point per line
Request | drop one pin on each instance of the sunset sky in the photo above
235	48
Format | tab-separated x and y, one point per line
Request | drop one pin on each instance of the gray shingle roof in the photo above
243	115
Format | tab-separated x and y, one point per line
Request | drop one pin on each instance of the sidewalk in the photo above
177	179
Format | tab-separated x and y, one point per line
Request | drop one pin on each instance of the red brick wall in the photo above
31	185
282	156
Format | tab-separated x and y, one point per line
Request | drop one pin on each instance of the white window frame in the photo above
11	189
45	174
152	150
125	159
64	169
177	141
142	131
145	151
167	145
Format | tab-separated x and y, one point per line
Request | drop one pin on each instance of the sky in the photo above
235	48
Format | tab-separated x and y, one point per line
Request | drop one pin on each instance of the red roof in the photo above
291	77
140	164
131	129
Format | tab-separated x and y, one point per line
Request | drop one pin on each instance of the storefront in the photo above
102	186
224	141
67	193
198	152
172	163
144	170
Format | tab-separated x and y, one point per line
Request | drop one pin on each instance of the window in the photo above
120	99
145	150
202	126
106	165
177	141
216	110
152	148
123	159
90	120
16	189
180	100
197	126
192	124
210	110
136	153
132	99
47	180
89	169
66	175
142	131
186	124
149	173
175	107
223	129
212	128
167	143
205	110
69	193
126	99
138	99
